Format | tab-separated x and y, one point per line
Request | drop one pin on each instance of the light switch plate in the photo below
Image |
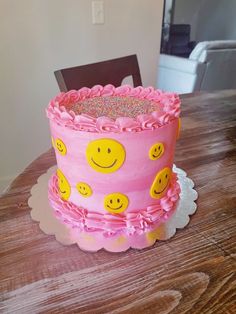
97	12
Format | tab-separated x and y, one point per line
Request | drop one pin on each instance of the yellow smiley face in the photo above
63	185
105	155
160	183
179	128
52	141
60	146
84	189
116	203
156	151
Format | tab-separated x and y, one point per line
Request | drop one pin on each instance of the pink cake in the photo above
114	148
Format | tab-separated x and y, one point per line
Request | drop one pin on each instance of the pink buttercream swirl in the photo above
138	221
169	104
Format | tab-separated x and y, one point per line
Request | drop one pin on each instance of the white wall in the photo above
209	19
40	36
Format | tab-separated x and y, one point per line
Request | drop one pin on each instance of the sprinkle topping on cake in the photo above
114	106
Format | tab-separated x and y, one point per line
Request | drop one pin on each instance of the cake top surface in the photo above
107	108
114	107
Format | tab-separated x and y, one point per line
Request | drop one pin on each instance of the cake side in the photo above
137	163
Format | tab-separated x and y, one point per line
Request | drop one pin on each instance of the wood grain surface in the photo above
194	272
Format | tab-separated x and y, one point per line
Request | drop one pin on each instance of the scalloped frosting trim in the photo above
135	222
169	105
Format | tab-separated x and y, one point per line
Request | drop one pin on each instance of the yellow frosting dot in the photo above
120	240
152	236
88	238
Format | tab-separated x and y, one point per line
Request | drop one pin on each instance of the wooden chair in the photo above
105	72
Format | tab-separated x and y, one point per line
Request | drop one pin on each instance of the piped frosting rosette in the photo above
168	109
135	222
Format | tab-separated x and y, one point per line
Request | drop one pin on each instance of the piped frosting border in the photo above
135	222
169	110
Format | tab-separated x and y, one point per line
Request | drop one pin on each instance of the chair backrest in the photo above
106	72
220	60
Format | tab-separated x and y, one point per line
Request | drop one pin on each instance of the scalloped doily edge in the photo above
50	225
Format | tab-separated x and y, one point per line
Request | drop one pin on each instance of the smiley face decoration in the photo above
160	183
84	189
60	146
63	186
105	155
116	203
156	151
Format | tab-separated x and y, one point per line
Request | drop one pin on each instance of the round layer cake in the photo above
114	148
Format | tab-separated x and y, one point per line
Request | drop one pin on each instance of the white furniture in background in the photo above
210	66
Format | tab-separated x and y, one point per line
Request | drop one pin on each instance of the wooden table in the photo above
194	272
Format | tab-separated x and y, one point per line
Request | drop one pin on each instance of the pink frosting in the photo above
169	104
133	222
